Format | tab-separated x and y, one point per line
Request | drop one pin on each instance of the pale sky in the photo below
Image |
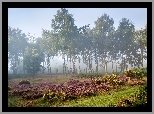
32	20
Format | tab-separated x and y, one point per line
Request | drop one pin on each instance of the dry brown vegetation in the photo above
55	79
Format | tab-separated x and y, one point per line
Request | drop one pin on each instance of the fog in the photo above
57	63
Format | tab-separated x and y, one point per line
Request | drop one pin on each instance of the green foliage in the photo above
102	38
32	60
64	32
24	82
142	71
125	36
17	41
140	37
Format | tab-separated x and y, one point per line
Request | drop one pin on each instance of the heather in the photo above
53	94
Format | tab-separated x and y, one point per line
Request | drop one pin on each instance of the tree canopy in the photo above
102	43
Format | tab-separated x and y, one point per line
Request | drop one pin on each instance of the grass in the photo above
14	101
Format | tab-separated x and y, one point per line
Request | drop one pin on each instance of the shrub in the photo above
136	73
122	80
24	82
53	96
136	82
112	79
144	79
131	73
9	88
32	95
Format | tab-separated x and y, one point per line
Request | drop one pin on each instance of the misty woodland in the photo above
72	66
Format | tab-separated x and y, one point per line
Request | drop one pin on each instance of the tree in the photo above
103	28
125	41
17	41
88	47
66	33
141	43
63	26
49	46
32	60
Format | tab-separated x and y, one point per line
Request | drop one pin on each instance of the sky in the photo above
33	20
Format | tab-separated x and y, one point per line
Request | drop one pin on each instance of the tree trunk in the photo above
48	64
43	67
105	64
15	68
142	57
116	67
70	65
79	66
112	65
122	65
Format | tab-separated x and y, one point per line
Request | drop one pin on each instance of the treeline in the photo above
101	43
